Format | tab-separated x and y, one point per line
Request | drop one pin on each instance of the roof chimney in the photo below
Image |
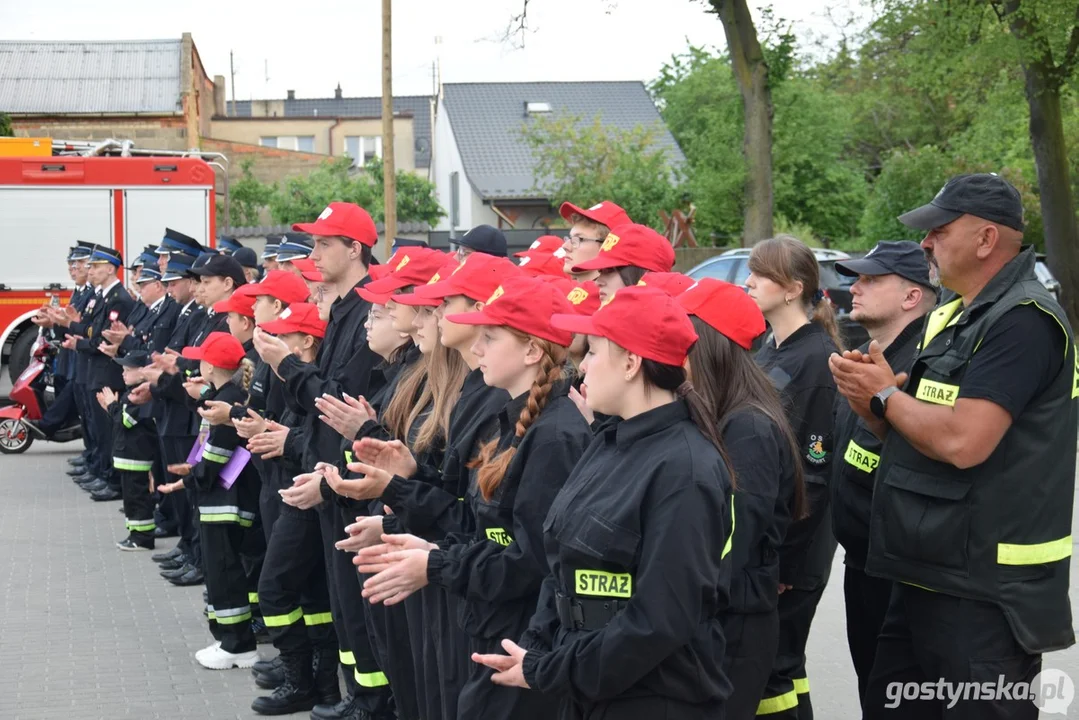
337	92
291	95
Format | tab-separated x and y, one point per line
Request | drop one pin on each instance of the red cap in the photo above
282	285
298	318
414	299
345	219
727	308
605	213
410	266
646	321
672	283
238	302
219	349
633	245
543	245
377	272
523	303
476	277
583	296
307	269
544	264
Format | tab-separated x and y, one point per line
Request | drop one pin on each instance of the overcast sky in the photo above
310	46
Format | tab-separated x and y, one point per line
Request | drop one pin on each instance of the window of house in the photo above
362	148
303	143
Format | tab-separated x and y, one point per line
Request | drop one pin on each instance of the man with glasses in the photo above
588	230
482	239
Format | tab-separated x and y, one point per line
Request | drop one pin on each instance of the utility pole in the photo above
232	72
389	171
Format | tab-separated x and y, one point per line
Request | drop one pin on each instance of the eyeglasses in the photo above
574	241
460	252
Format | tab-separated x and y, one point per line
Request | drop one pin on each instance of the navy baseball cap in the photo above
484	239
246	257
984	195
903	258
133	360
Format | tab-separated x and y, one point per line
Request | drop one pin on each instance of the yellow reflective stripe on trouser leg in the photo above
346	657
772	705
801	685
321	619
371	680
283	620
1046	552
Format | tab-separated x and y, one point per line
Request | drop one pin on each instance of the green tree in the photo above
417	199
6	129
247	196
588	162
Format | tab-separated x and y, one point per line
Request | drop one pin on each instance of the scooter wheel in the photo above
15	437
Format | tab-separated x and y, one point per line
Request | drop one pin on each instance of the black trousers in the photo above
452	663
138	503
226	585
349	614
166	516
63	412
929	636
183	502
102	423
752	640
867	603
392	639
292	589
786	694
481	698
642	708
83	399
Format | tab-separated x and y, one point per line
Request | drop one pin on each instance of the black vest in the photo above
999	532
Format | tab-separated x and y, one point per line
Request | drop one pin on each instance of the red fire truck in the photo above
109	193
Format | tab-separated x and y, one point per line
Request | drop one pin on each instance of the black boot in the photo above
325	665
294	695
269	676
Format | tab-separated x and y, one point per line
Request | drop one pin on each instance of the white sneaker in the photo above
218	659
208	649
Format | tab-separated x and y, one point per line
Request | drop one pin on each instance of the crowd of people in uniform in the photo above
577	484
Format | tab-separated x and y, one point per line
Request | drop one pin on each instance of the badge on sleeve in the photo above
816	453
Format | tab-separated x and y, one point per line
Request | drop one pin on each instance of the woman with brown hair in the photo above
784	282
765	459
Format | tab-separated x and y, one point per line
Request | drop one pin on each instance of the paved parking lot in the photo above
87	631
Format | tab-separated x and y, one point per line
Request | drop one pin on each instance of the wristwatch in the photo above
878	404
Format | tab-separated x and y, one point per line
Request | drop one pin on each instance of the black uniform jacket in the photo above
344	366
764	468
641	524
799	369
858	455
174	417
115	304
134	435
499	567
66	359
431	504
153	330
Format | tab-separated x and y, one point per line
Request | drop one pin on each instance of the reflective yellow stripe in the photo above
214	457
940	319
129	422
320	619
771	705
375	679
1046	552
348	457
132	465
283	620
937	392
346	657
603	584
861	458
252	597
730	538
225	518
233	619
801	685
146	527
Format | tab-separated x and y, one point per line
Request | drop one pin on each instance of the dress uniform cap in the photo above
523	303
104	254
228	244
178	268
643	320
269	252
634	246
343	219
294	246
298	318
176	241
476	278
219	349
148	274
726	308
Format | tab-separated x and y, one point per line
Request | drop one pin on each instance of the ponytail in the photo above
491	469
824	315
244	375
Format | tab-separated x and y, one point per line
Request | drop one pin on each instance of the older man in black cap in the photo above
891	297
971	517
482	239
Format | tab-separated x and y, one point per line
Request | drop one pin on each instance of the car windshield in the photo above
829	278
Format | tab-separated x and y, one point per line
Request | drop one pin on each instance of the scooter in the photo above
30	396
